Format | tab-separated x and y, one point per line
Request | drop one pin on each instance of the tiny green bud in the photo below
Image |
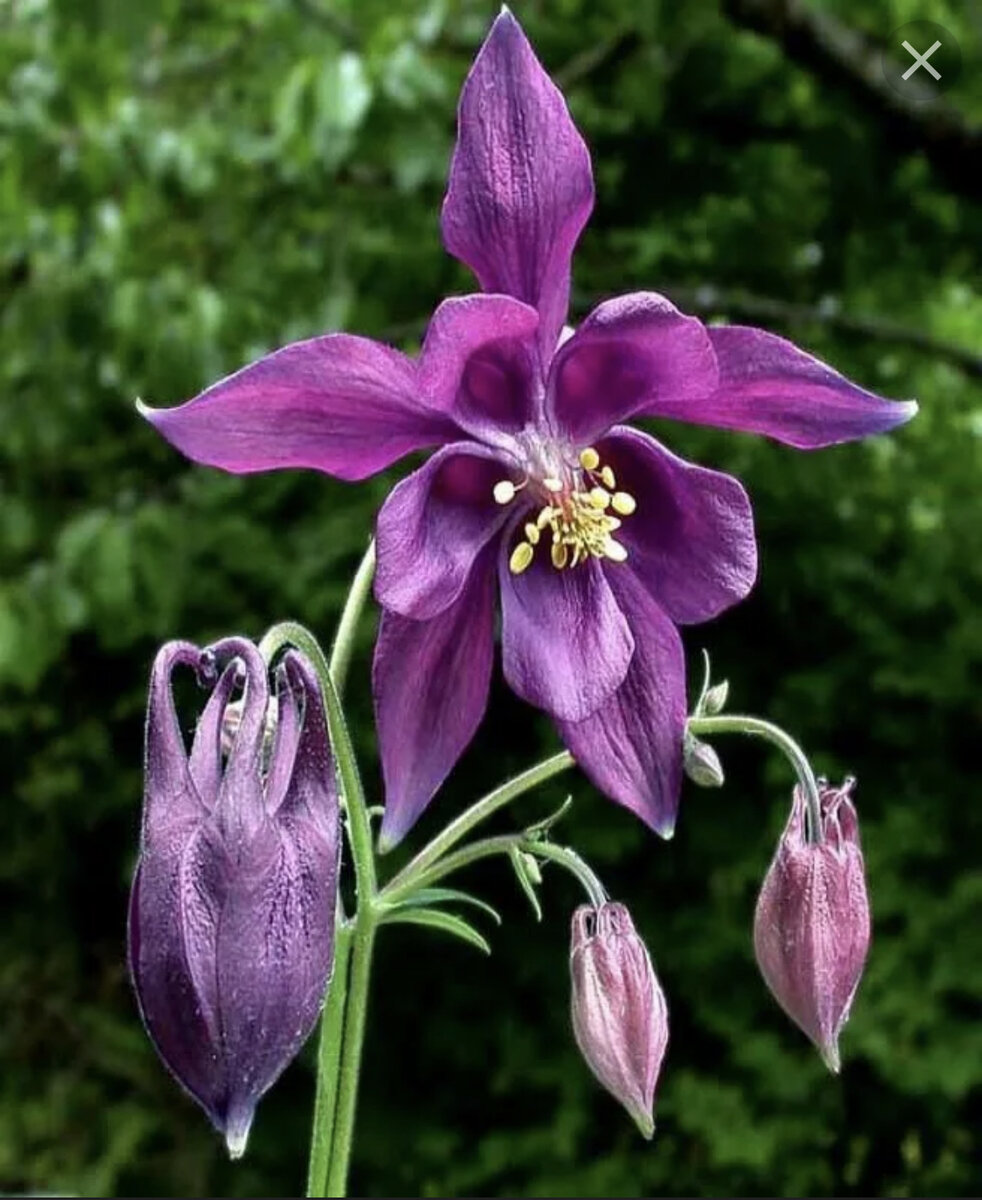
532	868
715	699
702	764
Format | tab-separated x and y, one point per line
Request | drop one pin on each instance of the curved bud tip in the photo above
237	1135
645	1123
830	1056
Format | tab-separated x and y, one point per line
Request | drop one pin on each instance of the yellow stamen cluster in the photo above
581	518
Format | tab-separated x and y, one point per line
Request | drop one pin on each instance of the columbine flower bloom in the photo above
601	539
231	927
812	927
620	1019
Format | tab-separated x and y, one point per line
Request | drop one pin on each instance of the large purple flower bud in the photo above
812	927
620	1018
231	922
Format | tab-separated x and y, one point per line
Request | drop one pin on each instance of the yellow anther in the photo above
520	559
578	522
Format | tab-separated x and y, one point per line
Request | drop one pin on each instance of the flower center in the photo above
582	511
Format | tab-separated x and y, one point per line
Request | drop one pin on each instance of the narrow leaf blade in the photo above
525	880
427	897
435	918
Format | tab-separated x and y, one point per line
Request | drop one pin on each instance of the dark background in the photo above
185	185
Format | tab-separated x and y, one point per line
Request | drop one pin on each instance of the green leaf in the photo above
426	897
343	94
518	861
435	918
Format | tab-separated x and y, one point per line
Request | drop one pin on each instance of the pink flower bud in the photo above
812	927
620	1019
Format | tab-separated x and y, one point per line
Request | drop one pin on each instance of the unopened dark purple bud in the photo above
231	925
620	1018
812	924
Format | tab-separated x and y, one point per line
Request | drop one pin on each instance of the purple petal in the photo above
205	762
628	354
340	404
769	386
182	1021
290	700
312	793
566	644
241	805
476	364
521	187
691	538
430	680
274	956
631	747
433	526
169	793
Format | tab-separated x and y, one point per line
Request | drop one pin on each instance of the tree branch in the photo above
708	300
919	119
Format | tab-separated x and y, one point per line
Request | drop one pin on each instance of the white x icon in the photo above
921	61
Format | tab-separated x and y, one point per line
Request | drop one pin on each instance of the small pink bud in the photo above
620	1019
812	927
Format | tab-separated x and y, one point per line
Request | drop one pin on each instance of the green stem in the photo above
784	742
344	639
502	844
343	1023
354	1040
578	867
328	1058
447	865
352	794
408	878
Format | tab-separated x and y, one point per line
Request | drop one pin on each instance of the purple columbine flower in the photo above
599	539
231	924
812	926
620	1019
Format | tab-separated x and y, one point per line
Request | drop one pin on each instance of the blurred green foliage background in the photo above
188	183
